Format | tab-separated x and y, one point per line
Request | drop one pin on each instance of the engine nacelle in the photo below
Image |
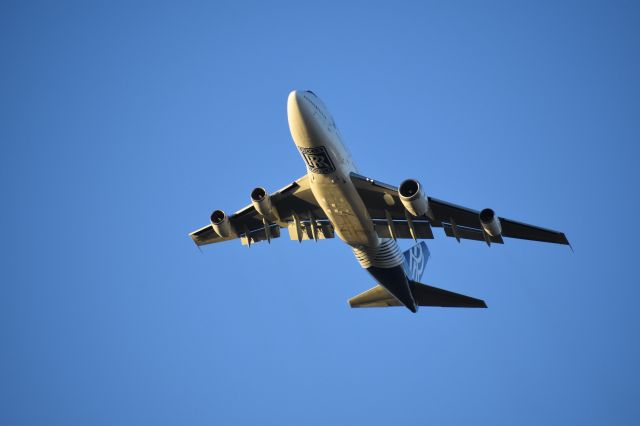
262	202
413	198
490	222
221	224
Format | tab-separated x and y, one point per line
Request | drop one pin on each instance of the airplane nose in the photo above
300	117
296	105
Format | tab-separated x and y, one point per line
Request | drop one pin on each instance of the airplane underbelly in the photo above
343	206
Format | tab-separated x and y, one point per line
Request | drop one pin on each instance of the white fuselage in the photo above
329	165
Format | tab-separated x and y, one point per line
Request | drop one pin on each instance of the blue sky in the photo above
124	124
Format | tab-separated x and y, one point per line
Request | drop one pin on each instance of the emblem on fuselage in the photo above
318	160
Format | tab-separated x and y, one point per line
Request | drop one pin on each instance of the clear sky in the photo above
124	124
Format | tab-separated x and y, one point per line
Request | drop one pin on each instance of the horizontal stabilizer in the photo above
376	297
424	295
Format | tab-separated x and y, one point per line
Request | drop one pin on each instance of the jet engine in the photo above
262	202
490	222
221	224
413	198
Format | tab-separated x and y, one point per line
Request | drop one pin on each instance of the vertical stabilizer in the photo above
415	261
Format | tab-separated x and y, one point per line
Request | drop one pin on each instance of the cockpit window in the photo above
309	91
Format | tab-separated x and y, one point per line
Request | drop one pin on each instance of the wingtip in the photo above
196	243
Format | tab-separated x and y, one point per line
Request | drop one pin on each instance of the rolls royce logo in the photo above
318	160
415	260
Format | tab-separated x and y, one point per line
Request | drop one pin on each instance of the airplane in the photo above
333	198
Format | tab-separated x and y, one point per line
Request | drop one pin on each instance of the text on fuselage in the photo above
318	160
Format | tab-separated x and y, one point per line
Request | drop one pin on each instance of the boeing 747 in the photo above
333	198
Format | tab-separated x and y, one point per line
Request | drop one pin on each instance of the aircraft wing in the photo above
392	219
295	207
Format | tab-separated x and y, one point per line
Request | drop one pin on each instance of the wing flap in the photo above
303	230
402	229
257	235
465	233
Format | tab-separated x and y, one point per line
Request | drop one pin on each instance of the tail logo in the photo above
415	261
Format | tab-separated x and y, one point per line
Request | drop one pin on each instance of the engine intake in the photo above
490	222
413	198
262	202
221	224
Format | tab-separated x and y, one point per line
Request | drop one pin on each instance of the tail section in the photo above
400	287
394	281
424	295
